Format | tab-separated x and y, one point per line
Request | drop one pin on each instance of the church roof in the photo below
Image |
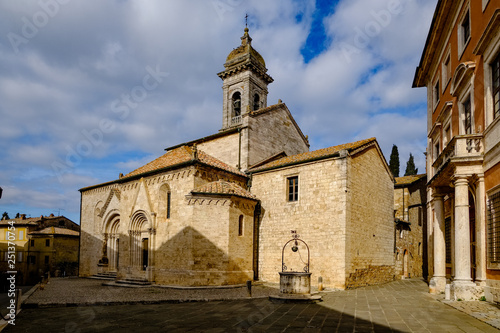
183	155
175	158
205	139
407	180
222	187
314	155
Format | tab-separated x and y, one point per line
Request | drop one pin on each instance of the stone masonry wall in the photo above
185	248
410	240
224	148
370	229
318	216
271	133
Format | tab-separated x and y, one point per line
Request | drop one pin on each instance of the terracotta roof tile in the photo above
223	187
55	231
406	180
313	155
182	155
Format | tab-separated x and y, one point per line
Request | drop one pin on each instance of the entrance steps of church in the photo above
134	281
104	276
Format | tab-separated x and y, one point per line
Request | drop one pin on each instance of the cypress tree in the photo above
394	161
410	167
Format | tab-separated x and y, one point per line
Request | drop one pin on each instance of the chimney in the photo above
23	216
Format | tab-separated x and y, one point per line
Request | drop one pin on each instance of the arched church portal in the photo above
139	241
111	241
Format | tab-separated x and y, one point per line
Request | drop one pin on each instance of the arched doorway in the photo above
111	241
139	242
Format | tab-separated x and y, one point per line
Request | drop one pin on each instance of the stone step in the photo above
104	276
134	281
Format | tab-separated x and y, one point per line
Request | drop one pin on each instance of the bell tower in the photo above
245	81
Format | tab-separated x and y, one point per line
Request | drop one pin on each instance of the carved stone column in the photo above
437	283
462	232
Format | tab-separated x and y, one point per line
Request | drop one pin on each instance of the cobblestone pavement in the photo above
400	306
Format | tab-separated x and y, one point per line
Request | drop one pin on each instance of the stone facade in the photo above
216	211
410	197
45	244
170	233
342	212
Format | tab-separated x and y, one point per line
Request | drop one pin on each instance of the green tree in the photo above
394	161
5	216
410	167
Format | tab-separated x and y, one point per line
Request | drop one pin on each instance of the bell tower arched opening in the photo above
236	101
256	102
245	82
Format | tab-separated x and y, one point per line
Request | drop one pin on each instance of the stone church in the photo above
218	210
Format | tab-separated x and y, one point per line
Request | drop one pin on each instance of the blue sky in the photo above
91	89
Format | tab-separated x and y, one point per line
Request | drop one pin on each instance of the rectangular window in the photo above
436	93
495	69
168	204
494	228
446	70
21	234
466	28
467	116
19	257
32	242
32	260
46	260
47	242
420	216
240	226
447	135
293	188
436	150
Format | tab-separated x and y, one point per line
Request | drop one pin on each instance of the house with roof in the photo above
45	244
218	210
410	218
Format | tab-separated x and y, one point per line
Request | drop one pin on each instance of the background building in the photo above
460	66
410	198
42	244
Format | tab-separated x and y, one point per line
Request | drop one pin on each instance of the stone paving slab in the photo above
73	292
483	311
400	306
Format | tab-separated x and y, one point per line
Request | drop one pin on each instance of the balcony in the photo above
236	120
467	148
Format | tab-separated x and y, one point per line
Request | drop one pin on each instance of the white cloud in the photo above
63	81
